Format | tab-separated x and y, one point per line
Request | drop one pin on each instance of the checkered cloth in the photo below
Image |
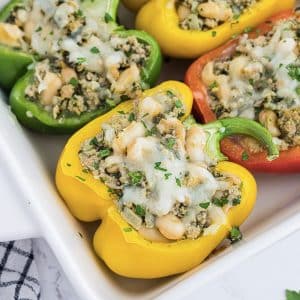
18	272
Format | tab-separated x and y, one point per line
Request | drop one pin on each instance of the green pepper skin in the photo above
33	116
13	62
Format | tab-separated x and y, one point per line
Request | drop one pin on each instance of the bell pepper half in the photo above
33	115
122	248
160	19
289	160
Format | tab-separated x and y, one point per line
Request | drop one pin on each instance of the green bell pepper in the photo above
32	114
13	61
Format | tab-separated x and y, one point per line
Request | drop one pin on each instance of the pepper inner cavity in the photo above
164	185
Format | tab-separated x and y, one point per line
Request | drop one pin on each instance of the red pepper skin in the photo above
289	160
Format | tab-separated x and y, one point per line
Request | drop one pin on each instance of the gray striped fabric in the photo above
18	272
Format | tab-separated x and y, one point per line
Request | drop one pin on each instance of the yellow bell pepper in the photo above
120	246
160	19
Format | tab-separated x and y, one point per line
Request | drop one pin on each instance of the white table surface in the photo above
264	276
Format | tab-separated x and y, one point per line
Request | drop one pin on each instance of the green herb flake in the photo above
204	205
170	93
178	103
213	33
235	234
170	142
167	175
131	117
248	29
94	142
81	60
121	112
95	50
127	229
80	178
85	171
220	202
69	165
245	156
292	295
135	177
108	18
157	166
178	182
38	29
79	13
140	211
104	153
73	81
213	85
251	81
236	201
294	71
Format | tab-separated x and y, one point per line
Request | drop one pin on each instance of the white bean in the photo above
152	234
53	84
170	226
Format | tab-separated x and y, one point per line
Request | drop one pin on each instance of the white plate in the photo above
35	209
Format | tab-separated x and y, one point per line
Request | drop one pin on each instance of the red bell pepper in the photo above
289	160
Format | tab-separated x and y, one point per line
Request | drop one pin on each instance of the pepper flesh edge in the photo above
289	160
178	42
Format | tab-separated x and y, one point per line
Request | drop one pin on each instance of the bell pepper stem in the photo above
220	129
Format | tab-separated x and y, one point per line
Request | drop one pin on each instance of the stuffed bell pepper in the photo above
160	185
256	76
189	28
85	63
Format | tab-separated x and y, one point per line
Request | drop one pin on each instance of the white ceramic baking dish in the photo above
36	210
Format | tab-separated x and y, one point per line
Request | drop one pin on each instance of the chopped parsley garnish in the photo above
157	166
81	60
73	81
121	112
38	29
213	33
80	178
79	13
213	85
178	103
170	93
104	153
251	81
170	142
124	97
235	234
167	175
236	201
140	211
108	18
95	50
248	29
94	142
220	202
135	177
292	295
131	117
85	171
127	229
69	165
294	71
178	182
245	156
204	205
